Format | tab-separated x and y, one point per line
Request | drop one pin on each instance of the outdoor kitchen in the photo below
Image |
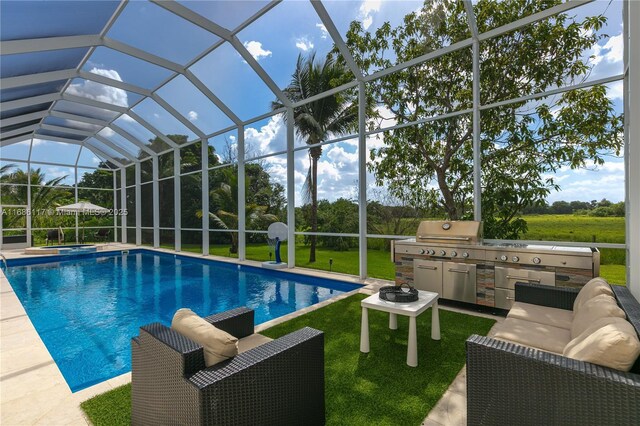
450	258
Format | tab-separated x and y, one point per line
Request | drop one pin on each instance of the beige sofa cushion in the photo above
252	341
561	318
533	334
611	342
601	306
594	287
218	344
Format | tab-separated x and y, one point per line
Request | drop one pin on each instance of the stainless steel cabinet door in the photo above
427	275
504	298
508	277
459	282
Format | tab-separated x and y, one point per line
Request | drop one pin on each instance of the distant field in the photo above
575	228
580	228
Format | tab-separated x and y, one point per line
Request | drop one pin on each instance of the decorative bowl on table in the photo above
399	294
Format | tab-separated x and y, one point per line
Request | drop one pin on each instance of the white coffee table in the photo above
425	300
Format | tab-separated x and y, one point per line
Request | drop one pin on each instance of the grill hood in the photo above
450	231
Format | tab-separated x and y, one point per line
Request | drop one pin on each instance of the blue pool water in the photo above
86	308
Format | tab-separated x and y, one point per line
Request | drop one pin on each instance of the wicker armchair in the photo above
278	383
512	384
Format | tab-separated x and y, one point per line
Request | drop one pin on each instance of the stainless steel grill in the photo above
449	257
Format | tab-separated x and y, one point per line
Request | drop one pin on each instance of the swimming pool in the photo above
87	307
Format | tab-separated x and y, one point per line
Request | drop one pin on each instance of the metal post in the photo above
362	177
115	204
75	191
291	191
29	218
156	201
477	165
138	190
177	204
204	154
123	203
242	223
632	145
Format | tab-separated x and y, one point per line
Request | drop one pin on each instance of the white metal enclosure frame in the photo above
30	126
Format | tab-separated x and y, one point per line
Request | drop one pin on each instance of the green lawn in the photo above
379	263
346	262
360	389
112	408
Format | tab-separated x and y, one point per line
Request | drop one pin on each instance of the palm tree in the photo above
44	194
316	121
225	198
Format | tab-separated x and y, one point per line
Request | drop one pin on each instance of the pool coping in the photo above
32	388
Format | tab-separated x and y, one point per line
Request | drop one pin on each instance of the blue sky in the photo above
275	40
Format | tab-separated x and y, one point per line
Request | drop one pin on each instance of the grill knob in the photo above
421	251
465	254
454	254
442	252
432	252
536	260
504	257
515	258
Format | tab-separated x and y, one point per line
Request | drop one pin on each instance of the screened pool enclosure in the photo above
200	123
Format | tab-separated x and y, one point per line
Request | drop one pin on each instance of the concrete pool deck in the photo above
34	392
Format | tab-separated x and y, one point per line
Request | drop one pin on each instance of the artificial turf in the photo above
111	408
361	389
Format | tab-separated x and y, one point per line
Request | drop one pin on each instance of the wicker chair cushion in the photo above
601	306
611	342
593	288
533	334
252	341
218	345
542	314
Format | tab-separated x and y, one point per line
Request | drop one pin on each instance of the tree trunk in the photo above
448	201
315	152
234	244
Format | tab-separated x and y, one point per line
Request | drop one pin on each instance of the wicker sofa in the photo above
277	383
512	384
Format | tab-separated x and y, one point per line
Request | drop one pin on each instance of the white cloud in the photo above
101	92
304	44
323	31
613	49
106	132
615	90
256	50
271	137
605	181
366	11
607	61
193	116
57	172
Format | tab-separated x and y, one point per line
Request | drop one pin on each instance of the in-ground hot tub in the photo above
70	249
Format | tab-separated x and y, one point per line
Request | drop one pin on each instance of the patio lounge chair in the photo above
280	382
508	383
102	235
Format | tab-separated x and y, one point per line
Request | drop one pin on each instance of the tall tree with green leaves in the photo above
225	213
318	120
45	195
522	144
